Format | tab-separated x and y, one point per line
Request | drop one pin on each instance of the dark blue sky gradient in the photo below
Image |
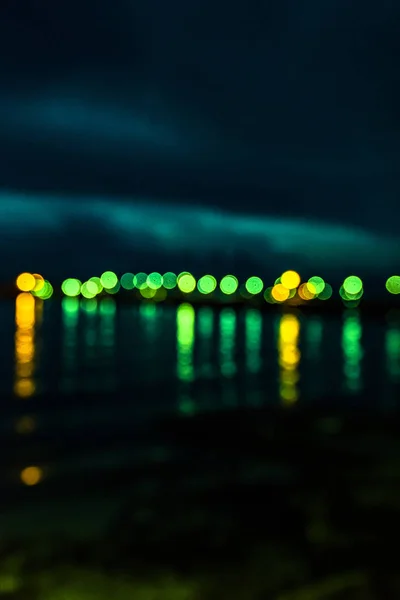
288	108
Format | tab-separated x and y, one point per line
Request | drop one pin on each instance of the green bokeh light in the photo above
140	280
45	292
326	292
206	284
115	289
154	281
254	285
169	280
127	281
108	280
147	292
350	297
71	287
186	283
317	283
89	289
393	284
97	282
229	284
352	285
268	295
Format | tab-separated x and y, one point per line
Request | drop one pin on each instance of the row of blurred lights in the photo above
156	286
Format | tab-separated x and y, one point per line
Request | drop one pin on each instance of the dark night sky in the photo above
287	108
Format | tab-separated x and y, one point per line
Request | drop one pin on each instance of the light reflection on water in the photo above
25	346
352	352
102	349
289	358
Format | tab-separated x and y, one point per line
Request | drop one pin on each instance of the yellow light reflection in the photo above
25	425
31	475
25	317
289	358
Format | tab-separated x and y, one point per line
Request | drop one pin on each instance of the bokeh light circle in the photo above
89	289
98	284
45	292
140	281
154	281
393	284
280	293
108	280
254	285
316	285
305	292
326	292
352	285
206	284
186	283
115	289
26	282
39	279
127	281
229	284
31	475
268	297
290	279
71	287
169	280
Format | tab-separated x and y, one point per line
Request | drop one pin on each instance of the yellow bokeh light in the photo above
31	475
290	280
280	293
26	282
186	283
147	292
305	293
39	282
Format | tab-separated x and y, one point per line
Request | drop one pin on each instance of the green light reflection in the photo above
70	320
392	346
227	330
205	328
352	351
107	343
253	333
185	336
